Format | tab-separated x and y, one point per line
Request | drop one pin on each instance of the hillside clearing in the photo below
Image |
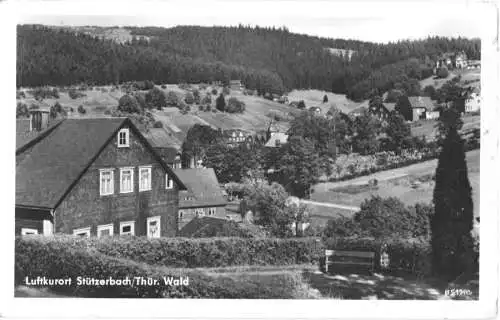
314	98
411	184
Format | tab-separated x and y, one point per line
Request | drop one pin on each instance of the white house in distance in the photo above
473	102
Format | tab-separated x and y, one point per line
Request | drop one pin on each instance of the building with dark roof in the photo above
203	196
95	177
420	105
166	145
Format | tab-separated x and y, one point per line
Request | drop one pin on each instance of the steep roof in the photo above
161	138
25	137
421	102
390	106
282	137
48	170
203	188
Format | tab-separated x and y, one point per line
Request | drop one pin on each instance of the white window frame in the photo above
180	215
28	231
130	224
140	178
125	131
105	227
158	221
86	230
112	189
199	212
169	183
212	211
131	169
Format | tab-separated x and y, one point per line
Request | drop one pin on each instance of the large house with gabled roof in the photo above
94	177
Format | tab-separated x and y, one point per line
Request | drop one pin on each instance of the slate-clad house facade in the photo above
95	177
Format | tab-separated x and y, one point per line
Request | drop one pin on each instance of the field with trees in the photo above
411	184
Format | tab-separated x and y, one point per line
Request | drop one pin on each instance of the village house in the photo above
166	145
277	139
473	102
203	196
234	137
420	106
39	121
383	111
473	64
95	176
452	60
315	110
236	85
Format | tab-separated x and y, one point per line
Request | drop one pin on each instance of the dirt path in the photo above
373	287
330	205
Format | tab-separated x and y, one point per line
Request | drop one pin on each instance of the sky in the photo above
375	21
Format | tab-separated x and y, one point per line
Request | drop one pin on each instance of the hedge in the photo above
204	252
371	165
411	256
57	258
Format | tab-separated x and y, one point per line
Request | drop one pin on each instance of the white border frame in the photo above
131	169
150	172
486	307
127	138
127	223
101	171
81	230
102	227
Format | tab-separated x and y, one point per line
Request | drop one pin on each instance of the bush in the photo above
45	93
143	85
185	86
196	95
68	257
214	92
128	104
20	95
235	106
81	109
75	94
22	110
56	109
173	99
384	217
189	98
158	124
442	73
155	98
301	105
405	255
164	86
204	252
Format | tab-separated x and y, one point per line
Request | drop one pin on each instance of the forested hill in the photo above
267	59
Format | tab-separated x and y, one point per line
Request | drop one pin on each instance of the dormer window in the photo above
123	138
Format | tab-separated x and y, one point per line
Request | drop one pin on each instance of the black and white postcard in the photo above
251	159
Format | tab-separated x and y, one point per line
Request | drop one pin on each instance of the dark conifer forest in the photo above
269	60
